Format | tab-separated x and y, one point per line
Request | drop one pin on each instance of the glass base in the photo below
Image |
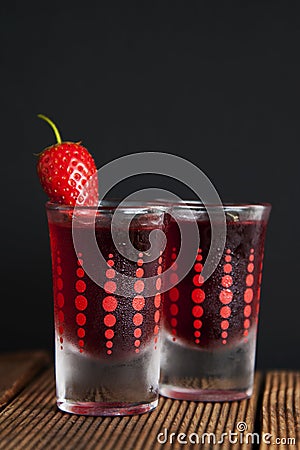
207	374
204	395
105	409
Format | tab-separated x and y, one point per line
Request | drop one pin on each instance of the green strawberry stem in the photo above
53	126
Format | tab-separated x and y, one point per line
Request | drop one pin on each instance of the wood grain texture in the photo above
280	415
16	370
30	418
32	421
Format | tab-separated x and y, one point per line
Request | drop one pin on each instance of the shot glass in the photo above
106	323
210	327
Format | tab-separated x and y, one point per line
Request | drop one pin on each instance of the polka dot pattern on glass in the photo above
138	303
157	303
174	295
259	289
248	294
226	296
198	297
81	303
109	305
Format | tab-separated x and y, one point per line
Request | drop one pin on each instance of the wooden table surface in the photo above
29	418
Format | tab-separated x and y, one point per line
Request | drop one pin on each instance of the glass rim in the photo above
109	207
159	204
226	205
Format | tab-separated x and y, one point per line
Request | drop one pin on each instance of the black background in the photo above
217	85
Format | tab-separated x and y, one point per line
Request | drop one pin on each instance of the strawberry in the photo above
64	168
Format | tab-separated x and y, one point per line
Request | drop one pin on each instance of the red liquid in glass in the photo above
224	308
95	321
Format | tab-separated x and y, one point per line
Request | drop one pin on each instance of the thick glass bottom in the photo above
105	409
204	395
106	387
201	374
